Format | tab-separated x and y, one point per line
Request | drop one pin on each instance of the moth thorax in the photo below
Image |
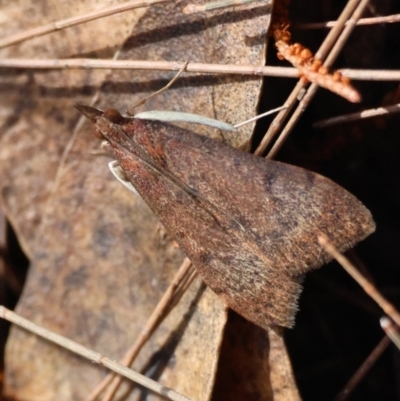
114	116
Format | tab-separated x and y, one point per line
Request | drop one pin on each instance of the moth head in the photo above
89	112
93	115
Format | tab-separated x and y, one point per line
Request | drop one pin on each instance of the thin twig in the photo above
392	330
267	113
214	5
80	19
181	290
387	19
282	72
149	65
148	329
276	124
197	8
313	87
357	116
371	75
291	100
347	17
363	369
91	355
163	89
367	286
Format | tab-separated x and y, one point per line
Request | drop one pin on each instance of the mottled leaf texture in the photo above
261	367
249	225
99	262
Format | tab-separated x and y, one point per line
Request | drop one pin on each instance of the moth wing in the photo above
277	208
231	269
249	225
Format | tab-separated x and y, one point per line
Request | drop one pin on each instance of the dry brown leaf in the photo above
37	117
253	364
232	37
99	264
99	269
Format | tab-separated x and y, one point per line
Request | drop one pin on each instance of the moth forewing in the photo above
249	225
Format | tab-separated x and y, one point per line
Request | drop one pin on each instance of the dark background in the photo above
338	324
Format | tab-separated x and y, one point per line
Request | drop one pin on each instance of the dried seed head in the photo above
302	58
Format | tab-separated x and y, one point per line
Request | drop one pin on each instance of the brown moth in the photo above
249	225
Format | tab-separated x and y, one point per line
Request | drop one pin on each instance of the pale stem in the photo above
363	370
367	286
79	19
163	89
392	330
387	19
357	116
267	113
91	355
281	72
